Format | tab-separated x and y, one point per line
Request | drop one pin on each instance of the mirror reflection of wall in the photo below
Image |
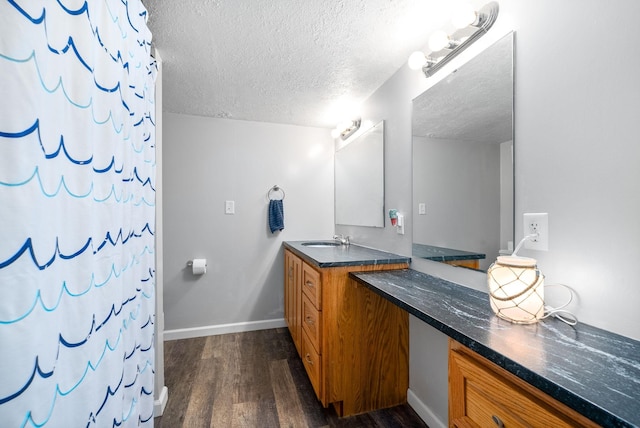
359	180
463	162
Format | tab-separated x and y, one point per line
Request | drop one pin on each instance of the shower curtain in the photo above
77	222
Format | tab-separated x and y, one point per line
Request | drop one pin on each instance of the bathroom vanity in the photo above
354	344
504	374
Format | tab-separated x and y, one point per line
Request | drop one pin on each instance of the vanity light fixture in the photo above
346	129
470	24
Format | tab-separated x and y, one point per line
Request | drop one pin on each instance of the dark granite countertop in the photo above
593	371
441	254
343	255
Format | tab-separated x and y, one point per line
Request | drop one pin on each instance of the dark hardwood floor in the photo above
253	379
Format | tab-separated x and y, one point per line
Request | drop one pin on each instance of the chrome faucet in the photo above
344	240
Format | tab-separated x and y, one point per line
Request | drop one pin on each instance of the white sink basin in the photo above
321	244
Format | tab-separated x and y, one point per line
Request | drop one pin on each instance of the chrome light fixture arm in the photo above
486	17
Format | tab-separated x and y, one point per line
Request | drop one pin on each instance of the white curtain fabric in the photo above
77	222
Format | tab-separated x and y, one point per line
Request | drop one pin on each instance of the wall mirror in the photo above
463	192
359	179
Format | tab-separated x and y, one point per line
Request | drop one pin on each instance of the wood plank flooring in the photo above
252	379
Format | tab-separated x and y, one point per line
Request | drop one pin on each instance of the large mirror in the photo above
359	179
463	191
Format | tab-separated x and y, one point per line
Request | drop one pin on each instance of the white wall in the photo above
208	161
576	157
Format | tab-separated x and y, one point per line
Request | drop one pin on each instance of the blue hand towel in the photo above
276	215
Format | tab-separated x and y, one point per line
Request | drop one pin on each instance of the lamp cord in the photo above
559	312
521	243
549	311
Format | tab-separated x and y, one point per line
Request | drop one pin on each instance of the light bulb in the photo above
417	60
438	41
345	125
464	16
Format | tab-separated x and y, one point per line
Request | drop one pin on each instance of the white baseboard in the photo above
214	330
424	411
161	402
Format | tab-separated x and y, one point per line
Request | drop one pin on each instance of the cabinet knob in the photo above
309	320
309	284
497	421
308	358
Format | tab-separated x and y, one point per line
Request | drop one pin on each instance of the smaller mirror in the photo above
359	180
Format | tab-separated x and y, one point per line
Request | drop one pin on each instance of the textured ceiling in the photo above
302	62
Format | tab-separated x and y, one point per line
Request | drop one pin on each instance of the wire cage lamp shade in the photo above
516	289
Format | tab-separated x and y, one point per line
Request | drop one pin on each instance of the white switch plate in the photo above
422	208
229	207
536	223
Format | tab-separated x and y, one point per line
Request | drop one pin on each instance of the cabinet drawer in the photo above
312	323
486	395
312	363
311	285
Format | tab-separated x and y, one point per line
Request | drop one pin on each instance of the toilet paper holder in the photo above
197	266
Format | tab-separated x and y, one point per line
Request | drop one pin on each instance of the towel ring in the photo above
274	189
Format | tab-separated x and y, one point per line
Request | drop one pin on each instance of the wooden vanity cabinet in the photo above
293	297
353	343
482	394
470	263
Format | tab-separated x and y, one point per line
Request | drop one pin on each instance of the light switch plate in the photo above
229	207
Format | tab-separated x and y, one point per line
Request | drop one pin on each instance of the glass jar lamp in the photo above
516	289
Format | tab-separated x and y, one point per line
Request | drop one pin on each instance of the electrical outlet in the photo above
536	223
400	225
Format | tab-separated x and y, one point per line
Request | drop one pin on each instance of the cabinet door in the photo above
312	323
311	285
287	288
312	362
293	297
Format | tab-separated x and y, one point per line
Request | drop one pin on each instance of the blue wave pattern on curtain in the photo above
77	220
